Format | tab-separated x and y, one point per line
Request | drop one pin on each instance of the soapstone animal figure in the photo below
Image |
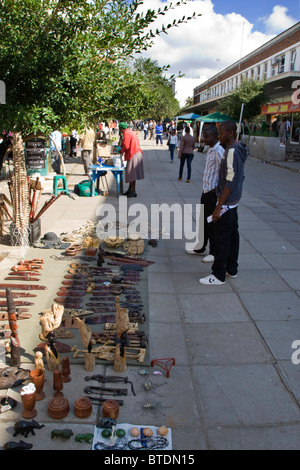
84	438
12	445
61	434
25	427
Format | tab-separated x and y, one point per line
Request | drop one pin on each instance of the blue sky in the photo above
226	31
256	11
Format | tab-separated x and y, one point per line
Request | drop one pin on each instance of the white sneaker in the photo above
208	259
211	280
231	275
193	252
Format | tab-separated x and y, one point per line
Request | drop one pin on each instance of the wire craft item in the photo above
120	444
148	443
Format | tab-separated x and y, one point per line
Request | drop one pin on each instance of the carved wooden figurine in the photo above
51	319
86	335
122	326
52	356
38	361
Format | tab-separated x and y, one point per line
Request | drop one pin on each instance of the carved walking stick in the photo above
14	338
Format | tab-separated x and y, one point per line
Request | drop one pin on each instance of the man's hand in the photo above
216	215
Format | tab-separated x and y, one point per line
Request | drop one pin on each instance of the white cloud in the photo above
211	42
279	20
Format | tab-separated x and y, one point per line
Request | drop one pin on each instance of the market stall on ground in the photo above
88	307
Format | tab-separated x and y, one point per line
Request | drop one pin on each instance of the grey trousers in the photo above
87	156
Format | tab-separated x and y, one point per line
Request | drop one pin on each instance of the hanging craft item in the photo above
20	193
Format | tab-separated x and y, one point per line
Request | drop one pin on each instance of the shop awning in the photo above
188	117
215	117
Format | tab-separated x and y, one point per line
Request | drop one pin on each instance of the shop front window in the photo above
281	64
293	59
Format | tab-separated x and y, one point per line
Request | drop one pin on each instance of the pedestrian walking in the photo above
186	154
171	127
209	194
172	143
151	128
73	143
133	155
87	141
281	131
146	126
229	193
159	133
187	126
55	147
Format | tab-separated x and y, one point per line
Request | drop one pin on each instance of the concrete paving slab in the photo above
201	308
279	336
258	280
271	305
225	343
290	235
253	261
260	235
280	246
255	438
169	341
290	373
161	284
164	308
244	396
191	263
284	260
291	277
246	246
161	264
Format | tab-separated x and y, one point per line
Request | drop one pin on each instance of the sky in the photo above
226	31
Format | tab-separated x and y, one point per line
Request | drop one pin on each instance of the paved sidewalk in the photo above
234	385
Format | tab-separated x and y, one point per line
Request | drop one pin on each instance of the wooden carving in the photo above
14	337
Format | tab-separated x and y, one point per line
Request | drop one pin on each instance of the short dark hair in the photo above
211	130
229	126
187	129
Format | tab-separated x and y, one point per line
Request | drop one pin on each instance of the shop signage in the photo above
35	155
281	108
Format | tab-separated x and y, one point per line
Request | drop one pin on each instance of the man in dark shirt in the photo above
229	192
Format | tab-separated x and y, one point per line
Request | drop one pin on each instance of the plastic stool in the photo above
65	186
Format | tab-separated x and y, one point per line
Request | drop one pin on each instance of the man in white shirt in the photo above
209	197
184	129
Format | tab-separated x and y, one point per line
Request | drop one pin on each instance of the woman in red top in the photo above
133	155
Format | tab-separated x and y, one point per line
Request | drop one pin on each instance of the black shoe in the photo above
127	192
131	194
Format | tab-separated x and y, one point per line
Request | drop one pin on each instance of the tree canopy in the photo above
251	93
63	61
159	101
